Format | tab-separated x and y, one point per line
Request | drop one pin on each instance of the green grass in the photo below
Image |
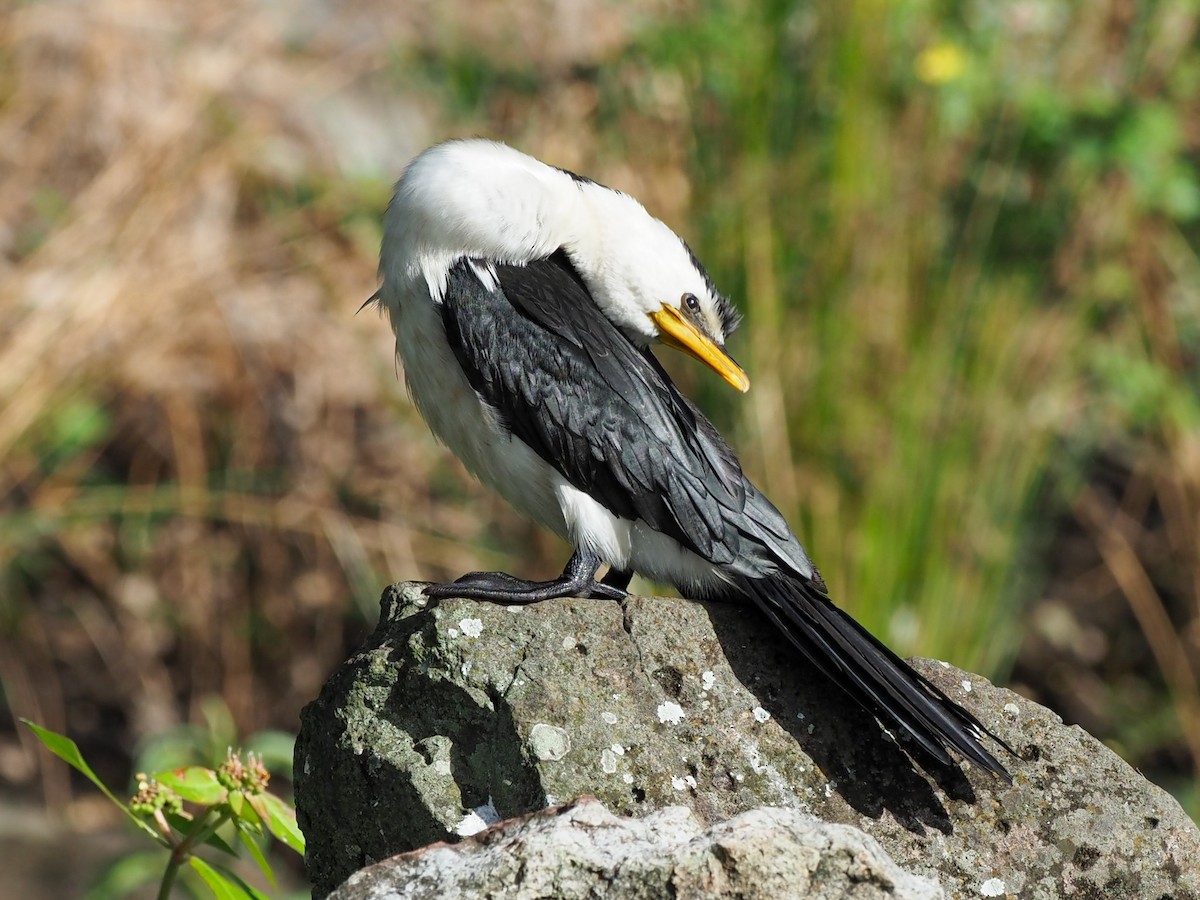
961	290
893	371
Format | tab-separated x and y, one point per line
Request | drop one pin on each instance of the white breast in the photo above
461	420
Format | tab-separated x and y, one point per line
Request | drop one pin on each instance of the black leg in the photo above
577	580
618	579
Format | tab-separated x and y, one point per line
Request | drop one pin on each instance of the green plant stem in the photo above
168	879
183	849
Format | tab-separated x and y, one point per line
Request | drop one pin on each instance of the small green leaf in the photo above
195	783
280	818
248	841
250	818
68	751
180	821
251	892
187	826
222	887
237	802
216	841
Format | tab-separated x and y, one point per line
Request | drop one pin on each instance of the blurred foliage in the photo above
964	237
231	796
188	744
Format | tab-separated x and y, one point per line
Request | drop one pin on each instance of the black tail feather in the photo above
895	693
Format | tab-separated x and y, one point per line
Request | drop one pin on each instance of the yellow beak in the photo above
676	331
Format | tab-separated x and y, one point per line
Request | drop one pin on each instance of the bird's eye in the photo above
692	302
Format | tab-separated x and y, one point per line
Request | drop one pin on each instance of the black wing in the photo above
603	412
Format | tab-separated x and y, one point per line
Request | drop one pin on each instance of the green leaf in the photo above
219	883
280	818
249	817
251	892
216	841
187	826
124	875
247	837
180	821
195	783
68	751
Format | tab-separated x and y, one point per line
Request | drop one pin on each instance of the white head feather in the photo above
485	200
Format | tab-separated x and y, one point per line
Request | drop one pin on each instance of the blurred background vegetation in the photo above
964	236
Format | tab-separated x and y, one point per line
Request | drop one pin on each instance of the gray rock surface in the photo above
584	851
455	715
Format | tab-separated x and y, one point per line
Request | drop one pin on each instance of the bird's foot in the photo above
498	587
577	580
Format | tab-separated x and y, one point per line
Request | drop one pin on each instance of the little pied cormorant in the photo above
525	299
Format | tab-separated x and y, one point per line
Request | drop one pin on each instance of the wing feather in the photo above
599	409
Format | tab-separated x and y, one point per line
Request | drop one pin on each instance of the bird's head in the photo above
483	199
698	323
650	283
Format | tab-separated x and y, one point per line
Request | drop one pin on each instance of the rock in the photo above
456	715
584	851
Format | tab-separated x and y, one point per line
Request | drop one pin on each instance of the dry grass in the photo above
209	466
205	453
